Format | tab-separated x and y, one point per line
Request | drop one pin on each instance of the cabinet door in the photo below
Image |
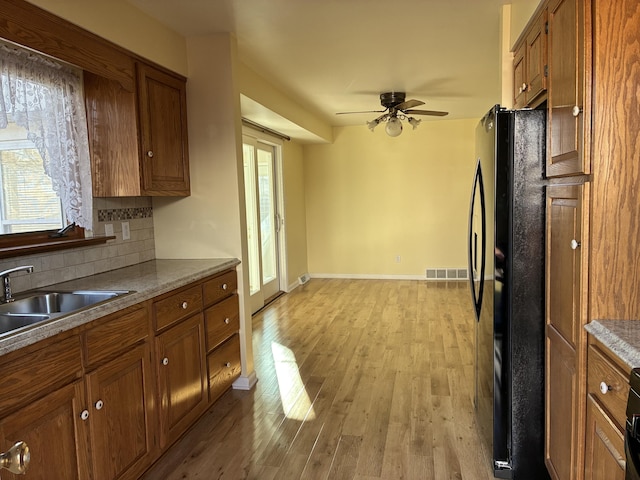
181	377
536	46
569	88
113	137
120	393
224	367
55	433
162	104
565	338
605	457
519	77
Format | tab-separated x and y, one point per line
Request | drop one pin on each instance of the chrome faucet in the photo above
4	275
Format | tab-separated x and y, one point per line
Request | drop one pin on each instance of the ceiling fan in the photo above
396	108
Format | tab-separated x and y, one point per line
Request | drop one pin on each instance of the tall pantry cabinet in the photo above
593	213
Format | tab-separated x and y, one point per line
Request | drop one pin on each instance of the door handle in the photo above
478	185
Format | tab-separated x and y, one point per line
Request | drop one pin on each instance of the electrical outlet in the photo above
108	229
126	233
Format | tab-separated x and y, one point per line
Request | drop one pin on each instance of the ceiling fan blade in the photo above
363	111
409	104
433	113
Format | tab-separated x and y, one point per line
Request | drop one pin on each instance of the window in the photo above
45	172
28	202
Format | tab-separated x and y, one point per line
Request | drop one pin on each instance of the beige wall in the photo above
521	12
371	198
210	223
124	25
258	89
294	210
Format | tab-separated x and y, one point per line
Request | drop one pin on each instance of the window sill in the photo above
50	246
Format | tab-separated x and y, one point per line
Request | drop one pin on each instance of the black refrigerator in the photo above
506	272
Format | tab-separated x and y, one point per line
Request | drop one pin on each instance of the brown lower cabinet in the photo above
565	344
605	445
105	400
56	435
608	390
181	377
121	430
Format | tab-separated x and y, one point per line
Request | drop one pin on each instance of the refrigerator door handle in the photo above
478	185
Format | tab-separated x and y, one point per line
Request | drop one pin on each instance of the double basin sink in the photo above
38	306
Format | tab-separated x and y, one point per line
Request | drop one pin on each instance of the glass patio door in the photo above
263	221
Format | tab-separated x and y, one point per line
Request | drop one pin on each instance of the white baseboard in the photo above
245	383
374	276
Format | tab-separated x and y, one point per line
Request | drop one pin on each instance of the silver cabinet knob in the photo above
225	286
604	388
228	364
99	405
165	361
184	305
524	87
575	111
227	321
16	459
150	154
574	244
84	414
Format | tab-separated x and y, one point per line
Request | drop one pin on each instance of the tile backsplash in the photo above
63	265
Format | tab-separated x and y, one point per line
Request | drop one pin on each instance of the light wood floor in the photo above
358	379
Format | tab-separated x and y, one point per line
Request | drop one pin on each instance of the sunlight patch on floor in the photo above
295	400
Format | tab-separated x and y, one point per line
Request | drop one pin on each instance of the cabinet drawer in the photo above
224	367
114	334
602	373
221	321
177	306
30	376
219	287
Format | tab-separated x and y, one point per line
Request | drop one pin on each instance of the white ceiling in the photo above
338	55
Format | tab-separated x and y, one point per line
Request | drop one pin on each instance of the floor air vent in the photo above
447	274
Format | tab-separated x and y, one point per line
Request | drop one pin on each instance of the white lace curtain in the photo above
45	98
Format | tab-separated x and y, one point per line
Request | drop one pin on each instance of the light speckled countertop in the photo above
622	337
146	280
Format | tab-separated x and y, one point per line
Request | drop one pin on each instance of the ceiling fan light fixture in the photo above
394	127
414	122
373	124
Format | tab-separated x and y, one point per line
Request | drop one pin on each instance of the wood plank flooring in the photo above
358	379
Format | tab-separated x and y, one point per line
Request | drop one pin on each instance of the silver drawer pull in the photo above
184	305
574	244
227	321
165	361
84	415
225	286
604	388
228	364
575	111
99	405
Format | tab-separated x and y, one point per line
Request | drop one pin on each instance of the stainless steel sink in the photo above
34	307
10	321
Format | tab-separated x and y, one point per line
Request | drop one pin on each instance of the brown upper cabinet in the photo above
162	103
530	64
136	112
569	88
138	137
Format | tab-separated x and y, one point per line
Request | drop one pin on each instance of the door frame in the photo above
276	144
